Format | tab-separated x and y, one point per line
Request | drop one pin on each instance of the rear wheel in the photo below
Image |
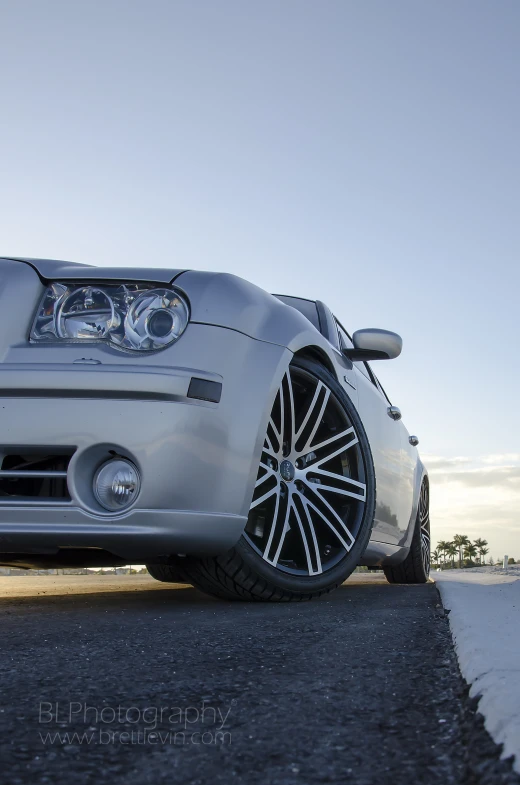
416	566
313	504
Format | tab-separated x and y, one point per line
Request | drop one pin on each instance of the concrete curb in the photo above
485	624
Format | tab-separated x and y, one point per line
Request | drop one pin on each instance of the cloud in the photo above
496	470
479	497
507	458
495	477
438	462
490	515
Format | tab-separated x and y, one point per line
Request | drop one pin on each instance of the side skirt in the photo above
379	554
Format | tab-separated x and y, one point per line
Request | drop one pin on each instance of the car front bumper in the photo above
197	458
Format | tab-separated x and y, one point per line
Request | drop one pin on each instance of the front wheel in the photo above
313	503
416	566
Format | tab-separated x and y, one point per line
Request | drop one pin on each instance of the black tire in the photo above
416	567
166	573
243	573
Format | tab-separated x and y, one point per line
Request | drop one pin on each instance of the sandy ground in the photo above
35	585
484	606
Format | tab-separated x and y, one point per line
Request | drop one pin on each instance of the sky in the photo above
363	153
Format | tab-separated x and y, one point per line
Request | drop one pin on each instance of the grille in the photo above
34	478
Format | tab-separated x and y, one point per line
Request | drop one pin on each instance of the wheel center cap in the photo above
287	471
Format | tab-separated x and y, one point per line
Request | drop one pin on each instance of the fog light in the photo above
116	484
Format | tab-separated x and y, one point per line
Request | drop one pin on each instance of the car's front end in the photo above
130	426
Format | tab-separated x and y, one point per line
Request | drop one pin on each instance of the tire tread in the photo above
213	576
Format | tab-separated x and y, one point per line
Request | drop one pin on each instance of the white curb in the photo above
485	624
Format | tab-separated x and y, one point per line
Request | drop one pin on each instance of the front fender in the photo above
226	300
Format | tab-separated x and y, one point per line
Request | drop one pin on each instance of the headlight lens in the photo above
133	316
86	313
155	319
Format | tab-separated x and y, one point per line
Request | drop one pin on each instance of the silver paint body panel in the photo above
198	459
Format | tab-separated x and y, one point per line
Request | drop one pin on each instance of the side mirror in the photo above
373	344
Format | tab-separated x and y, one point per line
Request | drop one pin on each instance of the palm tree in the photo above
452	551
470	551
483	552
461	540
435	557
442	547
481	547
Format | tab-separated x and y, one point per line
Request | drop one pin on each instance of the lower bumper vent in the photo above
34	478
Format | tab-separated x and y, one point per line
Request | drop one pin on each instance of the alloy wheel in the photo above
424	523
310	494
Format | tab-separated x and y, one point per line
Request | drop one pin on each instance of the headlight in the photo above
86	313
133	316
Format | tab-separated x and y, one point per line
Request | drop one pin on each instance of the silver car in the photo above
225	437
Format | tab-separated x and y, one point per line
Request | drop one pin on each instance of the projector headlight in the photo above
133	316
155	319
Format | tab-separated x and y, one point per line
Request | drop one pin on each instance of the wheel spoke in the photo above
423	516
332	455
282	418
310	410
318	488
425	552
268	473
360	493
266	496
347	545
308	546
292	417
424	522
333	439
268	447
283	533
278	436
317	422
273	525
270	454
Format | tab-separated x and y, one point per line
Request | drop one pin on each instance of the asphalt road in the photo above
166	685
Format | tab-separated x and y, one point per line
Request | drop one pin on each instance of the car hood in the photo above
54	269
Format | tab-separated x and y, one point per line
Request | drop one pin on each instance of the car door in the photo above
385	437
408	467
